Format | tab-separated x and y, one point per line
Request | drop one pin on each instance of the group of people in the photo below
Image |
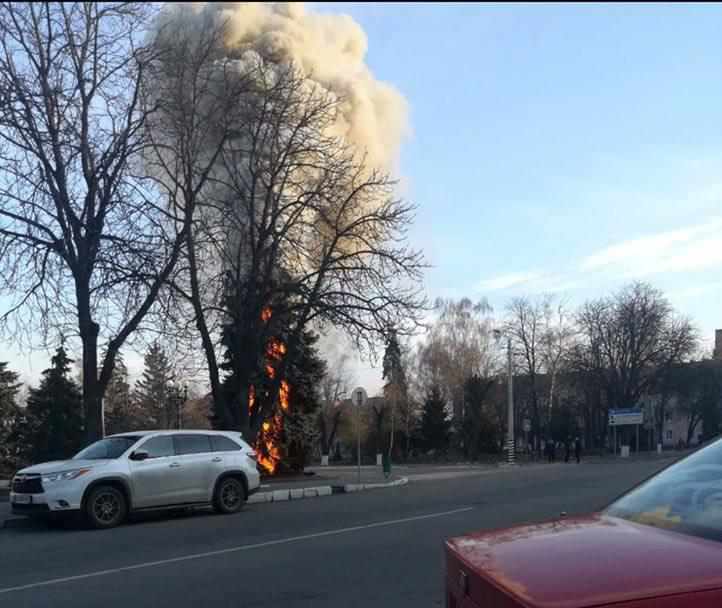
551	447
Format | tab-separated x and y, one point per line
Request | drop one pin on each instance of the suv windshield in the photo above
110	447
686	497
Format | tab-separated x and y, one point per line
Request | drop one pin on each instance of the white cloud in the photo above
694	291
506	281
695	247
557	284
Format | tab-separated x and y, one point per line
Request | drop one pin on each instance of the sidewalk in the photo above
596	458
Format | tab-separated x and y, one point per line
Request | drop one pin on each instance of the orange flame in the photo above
267	445
270	455
284	395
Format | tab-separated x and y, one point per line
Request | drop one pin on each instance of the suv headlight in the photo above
63	475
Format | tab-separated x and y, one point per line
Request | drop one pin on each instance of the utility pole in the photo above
510	396
180	402
358	397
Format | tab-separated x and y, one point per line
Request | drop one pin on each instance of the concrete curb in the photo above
300	493
355	487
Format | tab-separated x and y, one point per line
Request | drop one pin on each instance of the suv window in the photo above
110	447
223	444
192	444
158	447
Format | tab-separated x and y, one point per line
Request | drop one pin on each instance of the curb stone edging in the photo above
300	493
355	487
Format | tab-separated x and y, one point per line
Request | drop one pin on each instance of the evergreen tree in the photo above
118	404
52	424
481	434
9	416
304	377
435	423
396	390
393	369
154	394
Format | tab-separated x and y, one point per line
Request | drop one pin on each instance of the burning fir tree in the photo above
285	437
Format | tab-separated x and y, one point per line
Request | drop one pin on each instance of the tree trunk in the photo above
391	437
552	386
92	390
693	422
323	436
334	428
407	432
660	418
327	438
220	407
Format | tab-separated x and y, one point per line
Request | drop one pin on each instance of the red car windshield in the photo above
686	497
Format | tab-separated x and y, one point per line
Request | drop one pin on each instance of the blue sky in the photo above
566	148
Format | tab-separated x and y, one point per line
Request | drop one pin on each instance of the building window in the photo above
668	417
669	435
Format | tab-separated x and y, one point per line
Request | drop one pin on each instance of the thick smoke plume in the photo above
328	49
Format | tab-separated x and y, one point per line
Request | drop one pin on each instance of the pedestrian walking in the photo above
550	450
567	449
577	449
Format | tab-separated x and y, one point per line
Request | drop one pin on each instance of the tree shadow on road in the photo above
44	525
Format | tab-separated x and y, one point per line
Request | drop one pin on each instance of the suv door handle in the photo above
217	459
174	465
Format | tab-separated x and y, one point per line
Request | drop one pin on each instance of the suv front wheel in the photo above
229	495
105	507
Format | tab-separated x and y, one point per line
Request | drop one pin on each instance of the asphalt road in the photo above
378	548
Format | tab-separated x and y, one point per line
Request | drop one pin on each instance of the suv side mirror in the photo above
139	455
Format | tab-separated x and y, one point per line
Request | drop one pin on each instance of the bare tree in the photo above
525	325
196	90
408	407
632	340
556	340
86	240
336	387
458	345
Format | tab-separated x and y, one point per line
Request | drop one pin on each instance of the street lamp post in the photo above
510	399
180	402
510	404
358	397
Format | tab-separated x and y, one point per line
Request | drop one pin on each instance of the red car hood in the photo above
583	562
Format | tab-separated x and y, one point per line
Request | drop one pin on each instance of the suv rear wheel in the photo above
105	507
229	496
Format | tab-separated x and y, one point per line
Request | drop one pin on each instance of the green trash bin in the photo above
386	464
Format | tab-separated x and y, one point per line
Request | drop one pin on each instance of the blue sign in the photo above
625	416
625	410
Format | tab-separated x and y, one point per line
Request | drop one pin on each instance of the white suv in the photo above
143	470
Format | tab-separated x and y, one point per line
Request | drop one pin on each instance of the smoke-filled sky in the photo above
330	49
565	148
